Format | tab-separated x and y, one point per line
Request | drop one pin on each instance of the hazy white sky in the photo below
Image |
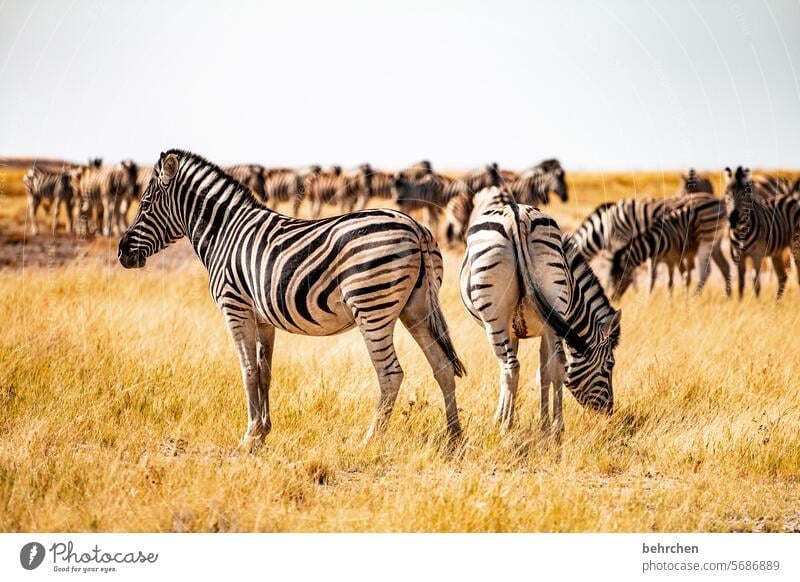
600	85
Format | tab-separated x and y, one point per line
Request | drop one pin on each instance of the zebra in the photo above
53	188
691	183
285	184
613	225
363	184
534	186
677	236
321	187
131	191
761	227
252	176
102	191
521	279
268	271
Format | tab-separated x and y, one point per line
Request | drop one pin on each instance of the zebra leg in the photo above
56	207
108	212
757	274
505	348
796	252
316	208
69	208
721	262
414	318
551	373
33	206
740	271
780	271
266	343
380	343
704	258
671	276
653	274
242	327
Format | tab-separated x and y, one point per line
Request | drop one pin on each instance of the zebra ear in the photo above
169	167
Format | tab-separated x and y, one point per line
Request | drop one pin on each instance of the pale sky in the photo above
600	85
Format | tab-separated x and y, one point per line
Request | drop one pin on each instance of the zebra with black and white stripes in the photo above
761	227
284	185
681	233
321	187
268	271
53	189
252	176
522	279
378	185
535	185
103	192
692	183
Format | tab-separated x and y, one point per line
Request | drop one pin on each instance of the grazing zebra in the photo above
311	277
761	227
284	184
252	176
53	188
458	210
103	191
613	225
520	279
321	187
535	185
694	184
676	238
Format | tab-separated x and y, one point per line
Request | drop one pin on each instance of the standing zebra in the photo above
613	225
321	187
284	184
378	185
311	277
521	280
691	183
761	227
684	231
535	185
102	191
252	176
54	189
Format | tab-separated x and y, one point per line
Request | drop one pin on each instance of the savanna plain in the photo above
121	406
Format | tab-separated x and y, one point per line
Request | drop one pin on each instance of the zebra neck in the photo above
214	210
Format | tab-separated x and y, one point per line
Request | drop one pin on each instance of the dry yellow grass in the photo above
121	405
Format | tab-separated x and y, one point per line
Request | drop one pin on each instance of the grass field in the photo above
121	405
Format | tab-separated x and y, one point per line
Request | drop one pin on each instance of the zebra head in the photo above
590	368
738	196
622	271
157	224
555	180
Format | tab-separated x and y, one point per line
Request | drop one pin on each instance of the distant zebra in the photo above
378	185
761	227
613	225
681	233
457	213
284	184
321	188
131	191
53	188
535	185
252	176
521	279
268	271
104	192
691	183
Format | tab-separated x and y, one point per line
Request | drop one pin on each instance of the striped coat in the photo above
312	277
53	189
761	226
521	279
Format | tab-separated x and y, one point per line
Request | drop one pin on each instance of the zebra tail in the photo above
436	321
553	317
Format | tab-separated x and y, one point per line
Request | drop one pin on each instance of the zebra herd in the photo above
100	195
521	276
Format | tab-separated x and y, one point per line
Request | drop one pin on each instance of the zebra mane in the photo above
241	189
